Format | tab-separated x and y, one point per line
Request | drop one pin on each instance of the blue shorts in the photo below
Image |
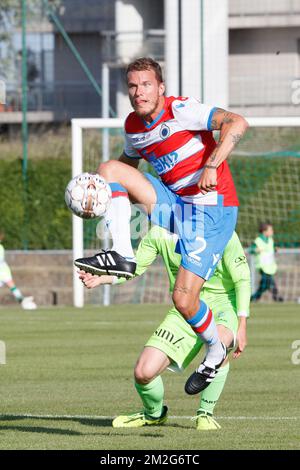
203	231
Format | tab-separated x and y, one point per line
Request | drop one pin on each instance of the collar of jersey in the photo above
158	117
264	238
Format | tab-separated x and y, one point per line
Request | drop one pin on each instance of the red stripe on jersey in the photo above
119	194
192	190
134	124
225	185
203	327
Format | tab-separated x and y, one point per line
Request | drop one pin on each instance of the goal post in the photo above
78	125
266	170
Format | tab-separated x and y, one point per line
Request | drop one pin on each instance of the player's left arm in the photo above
241	337
238	268
232	127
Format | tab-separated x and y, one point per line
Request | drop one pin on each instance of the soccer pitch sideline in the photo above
69	371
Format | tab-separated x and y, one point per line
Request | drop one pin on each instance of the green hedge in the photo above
37	215
267	188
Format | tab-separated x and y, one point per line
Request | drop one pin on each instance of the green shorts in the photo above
177	340
5	273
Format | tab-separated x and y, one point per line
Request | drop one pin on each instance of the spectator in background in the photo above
264	251
6	279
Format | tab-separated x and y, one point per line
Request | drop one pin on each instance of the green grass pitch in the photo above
68	372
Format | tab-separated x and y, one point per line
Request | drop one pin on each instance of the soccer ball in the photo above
88	195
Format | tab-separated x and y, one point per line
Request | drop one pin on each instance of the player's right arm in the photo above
232	128
193	115
134	162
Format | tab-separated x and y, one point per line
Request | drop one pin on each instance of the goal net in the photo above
266	171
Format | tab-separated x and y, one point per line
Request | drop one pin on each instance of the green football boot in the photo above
137	420
205	422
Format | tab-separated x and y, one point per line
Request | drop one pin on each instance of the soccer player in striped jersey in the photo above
194	197
174	344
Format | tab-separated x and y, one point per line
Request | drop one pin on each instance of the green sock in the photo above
152	395
212	393
17	294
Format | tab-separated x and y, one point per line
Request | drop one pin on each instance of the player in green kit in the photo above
174	344
6	279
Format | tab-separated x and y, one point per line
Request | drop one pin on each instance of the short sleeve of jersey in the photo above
129	150
193	115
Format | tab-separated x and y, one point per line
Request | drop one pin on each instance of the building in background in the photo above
236	53
264	57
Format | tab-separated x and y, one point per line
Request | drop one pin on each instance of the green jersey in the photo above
230	282
264	251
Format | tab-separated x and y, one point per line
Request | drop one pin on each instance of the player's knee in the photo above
143	374
184	305
109	170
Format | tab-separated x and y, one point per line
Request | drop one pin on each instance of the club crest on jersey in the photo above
164	131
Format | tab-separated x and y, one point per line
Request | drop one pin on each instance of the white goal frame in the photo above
77	167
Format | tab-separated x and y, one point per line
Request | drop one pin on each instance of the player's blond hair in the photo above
146	63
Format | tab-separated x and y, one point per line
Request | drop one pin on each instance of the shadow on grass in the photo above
41	429
180	426
95	422
85	421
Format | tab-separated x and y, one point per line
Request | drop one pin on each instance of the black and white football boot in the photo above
107	262
203	376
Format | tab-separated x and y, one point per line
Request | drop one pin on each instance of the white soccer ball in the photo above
88	195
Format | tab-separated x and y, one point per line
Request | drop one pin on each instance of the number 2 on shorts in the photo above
194	254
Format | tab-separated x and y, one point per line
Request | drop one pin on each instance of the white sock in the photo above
117	219
204	325
214	355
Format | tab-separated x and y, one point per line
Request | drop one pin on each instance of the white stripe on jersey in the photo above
143	139
188	180
169	161
208	199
